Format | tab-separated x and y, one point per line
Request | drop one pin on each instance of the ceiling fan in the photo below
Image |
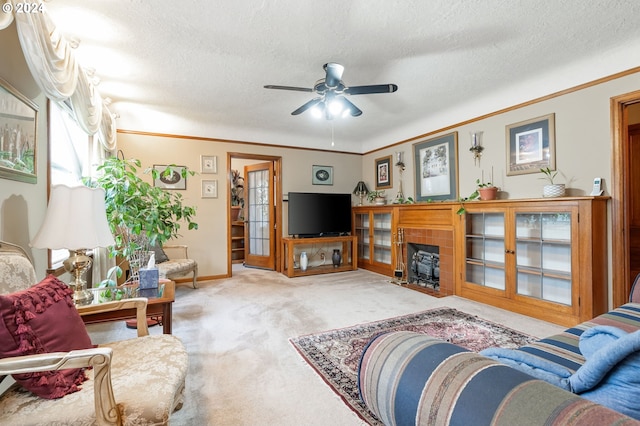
331	101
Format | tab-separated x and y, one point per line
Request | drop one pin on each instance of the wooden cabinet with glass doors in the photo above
373	227
542	258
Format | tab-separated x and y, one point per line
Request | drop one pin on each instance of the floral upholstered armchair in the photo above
61	377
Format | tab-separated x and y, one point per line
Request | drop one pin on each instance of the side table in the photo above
156	307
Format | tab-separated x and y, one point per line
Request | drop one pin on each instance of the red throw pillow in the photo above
43	319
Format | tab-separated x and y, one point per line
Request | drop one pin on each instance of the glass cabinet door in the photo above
362	232
382	237
485	249
543	256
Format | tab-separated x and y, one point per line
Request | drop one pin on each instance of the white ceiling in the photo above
198	68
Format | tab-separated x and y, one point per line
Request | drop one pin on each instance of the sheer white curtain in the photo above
74	155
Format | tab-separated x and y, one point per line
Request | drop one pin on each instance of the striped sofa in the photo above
407	378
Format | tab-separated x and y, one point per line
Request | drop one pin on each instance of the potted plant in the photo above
552	189
140	214
486	191
376	197
237	194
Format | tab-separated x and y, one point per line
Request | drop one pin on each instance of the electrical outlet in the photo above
321	256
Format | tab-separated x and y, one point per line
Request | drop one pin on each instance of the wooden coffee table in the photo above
156	307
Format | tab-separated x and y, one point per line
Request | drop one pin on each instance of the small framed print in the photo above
384	178
322	175
209	189
170	177
209	164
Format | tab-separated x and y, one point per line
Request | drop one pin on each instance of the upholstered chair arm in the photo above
107	412
138	303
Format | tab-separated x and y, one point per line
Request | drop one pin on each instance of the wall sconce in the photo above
476	146
401	166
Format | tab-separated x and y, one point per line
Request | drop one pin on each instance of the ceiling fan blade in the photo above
377	88
307	105
334	74
297	89
353	110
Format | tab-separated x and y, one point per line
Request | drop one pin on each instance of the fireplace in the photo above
428	260
423	265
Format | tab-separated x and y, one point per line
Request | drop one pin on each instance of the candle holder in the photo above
476	147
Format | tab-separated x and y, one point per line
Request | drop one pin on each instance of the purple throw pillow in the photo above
43	319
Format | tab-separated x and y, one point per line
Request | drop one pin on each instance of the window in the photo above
70	155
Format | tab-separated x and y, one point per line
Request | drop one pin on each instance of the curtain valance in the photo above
52	63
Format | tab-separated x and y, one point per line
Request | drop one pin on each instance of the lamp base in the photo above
77	264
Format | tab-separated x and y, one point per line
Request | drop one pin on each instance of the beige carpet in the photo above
244	371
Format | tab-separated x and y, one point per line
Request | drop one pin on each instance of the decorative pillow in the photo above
43	319
160	255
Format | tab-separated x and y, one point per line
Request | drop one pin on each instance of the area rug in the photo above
335	354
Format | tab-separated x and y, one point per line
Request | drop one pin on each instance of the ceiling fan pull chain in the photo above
332	142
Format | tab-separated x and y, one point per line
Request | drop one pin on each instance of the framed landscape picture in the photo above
435	163
531	145
384	178
18	122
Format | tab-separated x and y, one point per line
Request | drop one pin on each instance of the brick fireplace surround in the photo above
443	238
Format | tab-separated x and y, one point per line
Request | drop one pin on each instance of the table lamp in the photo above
76	220
361	190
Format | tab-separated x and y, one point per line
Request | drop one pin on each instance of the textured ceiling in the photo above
198	68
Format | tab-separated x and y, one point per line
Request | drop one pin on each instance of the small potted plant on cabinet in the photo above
552	189
376	197
486	191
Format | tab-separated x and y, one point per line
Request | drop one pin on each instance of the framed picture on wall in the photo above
170	177
384	178
208	164
322	175
531	145
18	123
436	171
209	189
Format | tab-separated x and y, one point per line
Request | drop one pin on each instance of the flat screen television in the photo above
314	214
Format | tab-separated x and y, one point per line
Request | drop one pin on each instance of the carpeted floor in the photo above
242	368
335	354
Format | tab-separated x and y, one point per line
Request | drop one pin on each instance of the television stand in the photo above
349	255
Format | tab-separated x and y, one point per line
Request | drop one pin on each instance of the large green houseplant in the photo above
140	214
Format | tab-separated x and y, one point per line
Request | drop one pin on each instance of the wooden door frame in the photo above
621	279
277	172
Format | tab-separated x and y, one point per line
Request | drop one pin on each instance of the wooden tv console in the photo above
349	255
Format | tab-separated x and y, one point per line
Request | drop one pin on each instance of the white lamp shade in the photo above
76	219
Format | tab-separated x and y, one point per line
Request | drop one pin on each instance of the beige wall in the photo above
22	205
208	245
583	145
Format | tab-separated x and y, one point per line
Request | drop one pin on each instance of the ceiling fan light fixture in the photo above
335	107
318	110
331	102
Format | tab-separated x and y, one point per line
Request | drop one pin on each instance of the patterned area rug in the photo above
335	354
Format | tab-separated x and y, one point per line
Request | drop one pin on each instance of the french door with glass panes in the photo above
259	216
